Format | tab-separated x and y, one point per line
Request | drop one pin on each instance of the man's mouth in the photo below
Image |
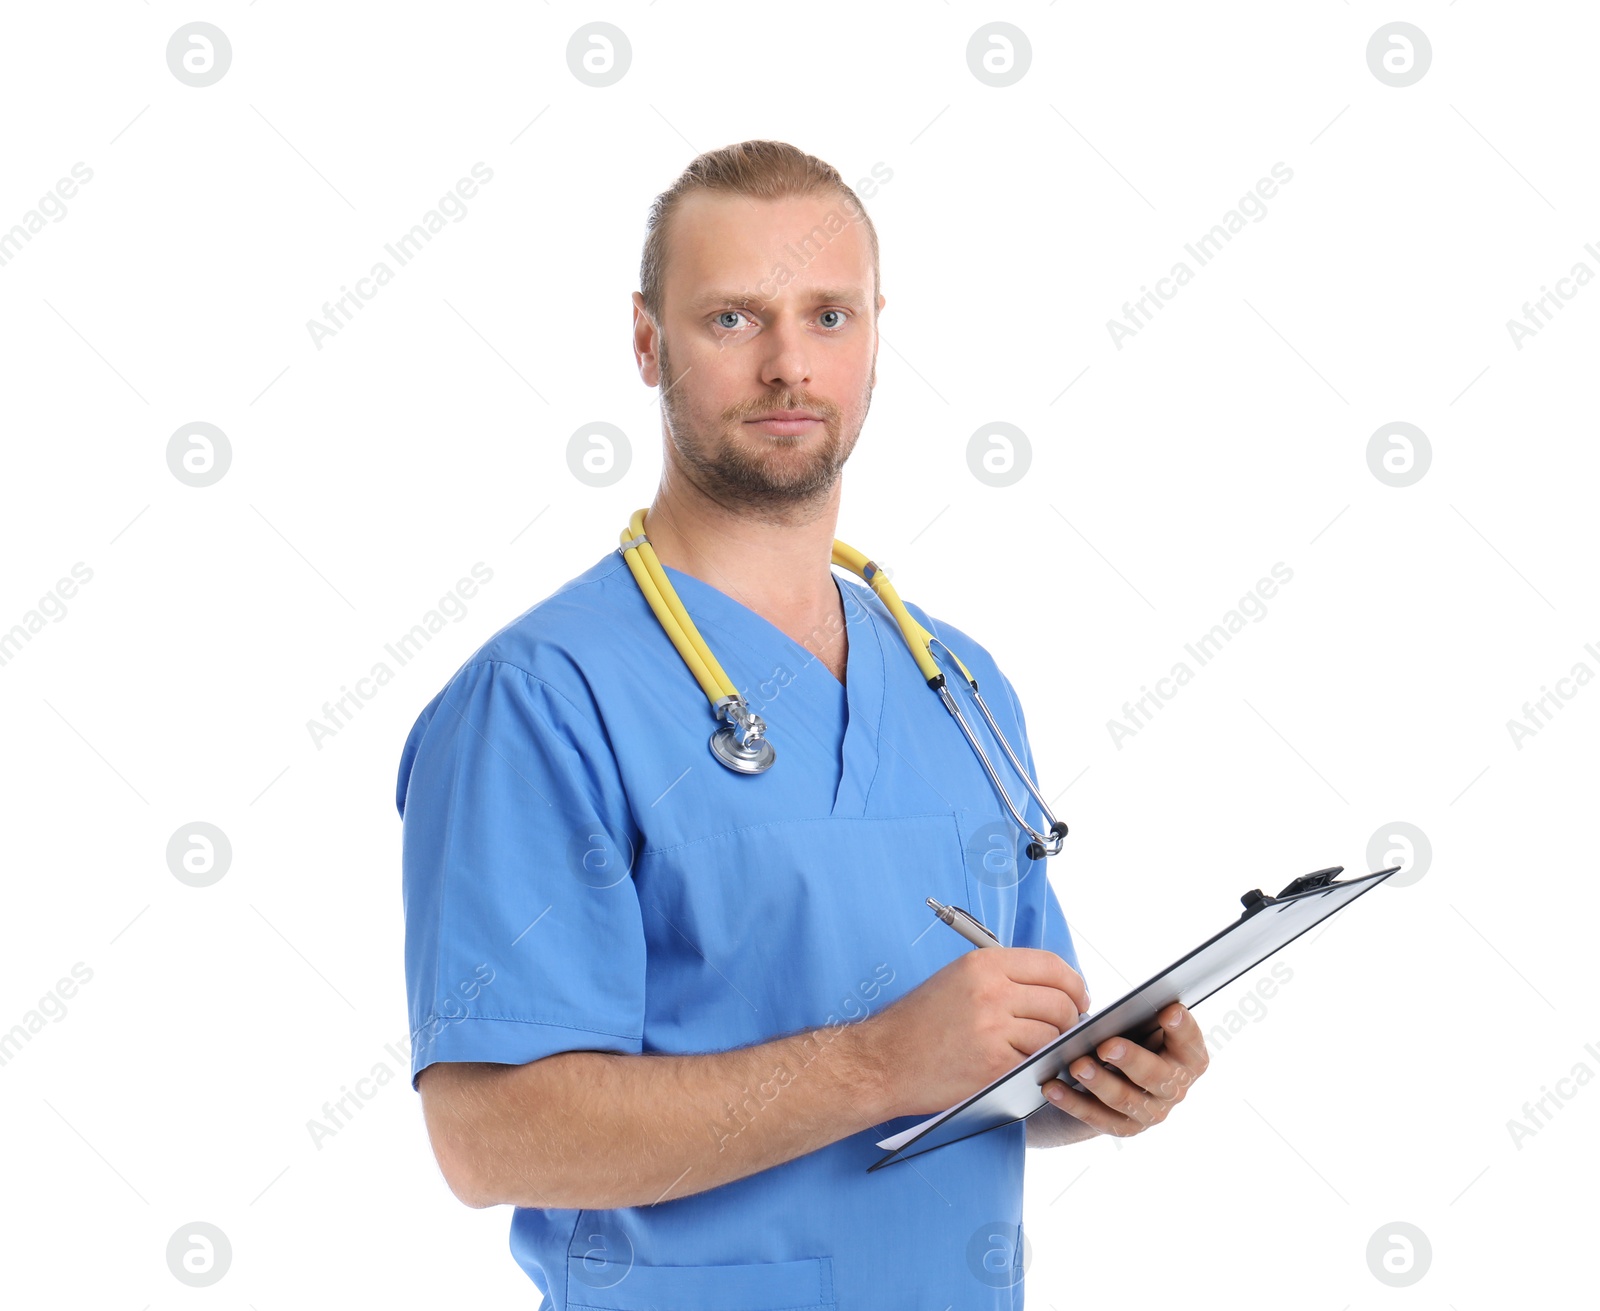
785	423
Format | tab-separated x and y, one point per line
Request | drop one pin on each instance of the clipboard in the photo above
1265	926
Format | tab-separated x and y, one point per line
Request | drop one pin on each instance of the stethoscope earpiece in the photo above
1036	849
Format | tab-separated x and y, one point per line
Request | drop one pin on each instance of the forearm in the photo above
598	1130
1050	1126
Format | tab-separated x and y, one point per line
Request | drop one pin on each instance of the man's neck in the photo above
776	564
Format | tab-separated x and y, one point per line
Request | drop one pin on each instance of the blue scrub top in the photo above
580	873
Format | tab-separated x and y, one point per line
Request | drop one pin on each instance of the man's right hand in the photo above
970	1023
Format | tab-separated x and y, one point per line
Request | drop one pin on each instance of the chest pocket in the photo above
805	1285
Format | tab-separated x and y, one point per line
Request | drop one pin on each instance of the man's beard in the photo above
769	479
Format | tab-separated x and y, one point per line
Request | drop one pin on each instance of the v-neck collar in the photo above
862	689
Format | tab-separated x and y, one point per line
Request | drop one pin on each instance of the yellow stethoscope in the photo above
741	743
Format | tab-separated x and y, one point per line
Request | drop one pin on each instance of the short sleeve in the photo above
1056	936
523	933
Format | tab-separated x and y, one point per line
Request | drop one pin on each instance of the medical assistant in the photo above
580	873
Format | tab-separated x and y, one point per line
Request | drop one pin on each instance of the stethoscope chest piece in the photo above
741	742
749	757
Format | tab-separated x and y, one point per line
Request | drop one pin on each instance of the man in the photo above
665	1009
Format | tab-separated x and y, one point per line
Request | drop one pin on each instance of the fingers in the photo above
1027	1036
1144	1086
1051	1005
1185	1043
1093	1112
1035	965
1119	1091
1165	1061
1136	1071
1075	987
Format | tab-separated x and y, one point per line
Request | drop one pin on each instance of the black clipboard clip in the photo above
1255	899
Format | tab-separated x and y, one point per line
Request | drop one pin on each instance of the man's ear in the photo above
646	343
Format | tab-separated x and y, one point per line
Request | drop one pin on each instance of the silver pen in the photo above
965	925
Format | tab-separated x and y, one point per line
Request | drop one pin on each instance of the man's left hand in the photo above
1145	1085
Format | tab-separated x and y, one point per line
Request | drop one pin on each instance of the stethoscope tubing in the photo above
743	736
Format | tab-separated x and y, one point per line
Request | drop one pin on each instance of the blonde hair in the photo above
760	170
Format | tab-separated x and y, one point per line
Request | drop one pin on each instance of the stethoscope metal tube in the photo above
741	743
1040	844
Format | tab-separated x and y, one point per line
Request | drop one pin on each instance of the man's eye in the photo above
724	315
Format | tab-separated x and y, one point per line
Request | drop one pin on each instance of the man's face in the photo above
759	321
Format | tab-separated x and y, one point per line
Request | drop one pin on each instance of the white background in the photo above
1166	477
